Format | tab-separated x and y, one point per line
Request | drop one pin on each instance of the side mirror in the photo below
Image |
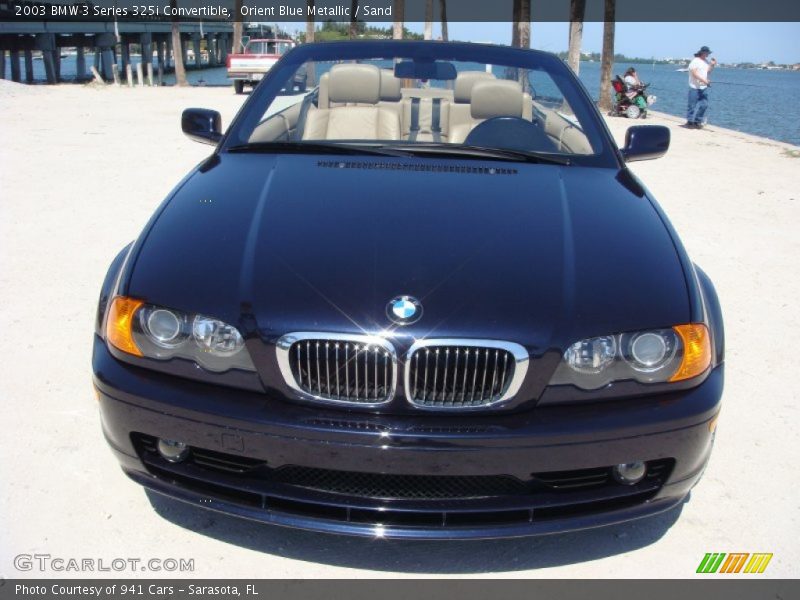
645	142
202	125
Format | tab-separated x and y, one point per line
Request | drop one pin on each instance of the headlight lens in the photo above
591	356
164	327
216	337
162	333
651	356
649	351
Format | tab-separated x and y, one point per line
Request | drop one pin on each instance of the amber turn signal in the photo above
119	325
696	351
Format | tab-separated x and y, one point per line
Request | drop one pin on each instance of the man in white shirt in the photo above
699	71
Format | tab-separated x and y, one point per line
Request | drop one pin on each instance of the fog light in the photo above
173	451
630	473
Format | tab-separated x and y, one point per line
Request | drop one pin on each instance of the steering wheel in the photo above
513	133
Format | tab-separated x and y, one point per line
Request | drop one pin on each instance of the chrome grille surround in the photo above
500	365
365	365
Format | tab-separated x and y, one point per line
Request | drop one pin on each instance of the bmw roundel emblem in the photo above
404	310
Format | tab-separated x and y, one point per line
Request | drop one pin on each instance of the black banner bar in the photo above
295	11
731	588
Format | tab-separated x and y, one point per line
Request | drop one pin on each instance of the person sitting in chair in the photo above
631	79
633	88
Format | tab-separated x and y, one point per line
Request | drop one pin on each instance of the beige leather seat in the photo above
391	88
460	113
490	98
349	107
425	114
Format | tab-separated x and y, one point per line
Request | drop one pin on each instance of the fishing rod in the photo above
740	84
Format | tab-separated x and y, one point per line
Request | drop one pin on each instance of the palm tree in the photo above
310	70
177	49
309	21
521	38
443	10
237	28
607	58
515	18
353	20
521	32
399	15
428	32
577	11
524	24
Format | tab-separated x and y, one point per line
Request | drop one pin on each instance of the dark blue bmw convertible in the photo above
426	299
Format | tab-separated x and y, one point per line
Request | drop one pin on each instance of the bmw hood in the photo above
541	255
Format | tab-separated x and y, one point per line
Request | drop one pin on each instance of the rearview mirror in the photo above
424	69
645	142
202	125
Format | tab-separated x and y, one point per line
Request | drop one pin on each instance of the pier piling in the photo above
2	64
80	63
126	57
129	74
150	74
223	47
28	65
57	61
146	43
140	74
196	47
212	50
45	43
160	51
15	70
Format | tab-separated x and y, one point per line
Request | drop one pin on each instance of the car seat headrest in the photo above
465	82
390	86
498	98
354	83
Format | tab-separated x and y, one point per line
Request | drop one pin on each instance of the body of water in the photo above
755	101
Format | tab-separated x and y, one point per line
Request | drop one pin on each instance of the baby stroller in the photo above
632	105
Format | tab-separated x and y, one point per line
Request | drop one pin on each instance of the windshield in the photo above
269	47
419	96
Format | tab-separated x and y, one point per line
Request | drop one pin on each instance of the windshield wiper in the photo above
483	152
323	147
405	150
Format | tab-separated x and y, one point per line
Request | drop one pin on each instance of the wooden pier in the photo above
110	44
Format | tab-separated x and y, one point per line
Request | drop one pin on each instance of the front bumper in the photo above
246	75
673	432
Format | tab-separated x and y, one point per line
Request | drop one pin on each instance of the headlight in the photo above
652	356
216	337
162	333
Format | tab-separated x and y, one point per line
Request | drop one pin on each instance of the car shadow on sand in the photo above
422	557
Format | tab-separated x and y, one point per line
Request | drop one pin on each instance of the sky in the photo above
731	42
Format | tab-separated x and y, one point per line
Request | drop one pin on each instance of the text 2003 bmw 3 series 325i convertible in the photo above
426	299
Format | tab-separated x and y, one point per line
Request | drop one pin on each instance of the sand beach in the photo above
81	170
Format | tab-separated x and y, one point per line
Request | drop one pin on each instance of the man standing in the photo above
699	70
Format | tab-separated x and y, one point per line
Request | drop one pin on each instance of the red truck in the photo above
258	57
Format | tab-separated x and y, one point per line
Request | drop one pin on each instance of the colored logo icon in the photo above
404	310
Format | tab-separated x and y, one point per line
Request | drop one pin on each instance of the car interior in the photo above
363	102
